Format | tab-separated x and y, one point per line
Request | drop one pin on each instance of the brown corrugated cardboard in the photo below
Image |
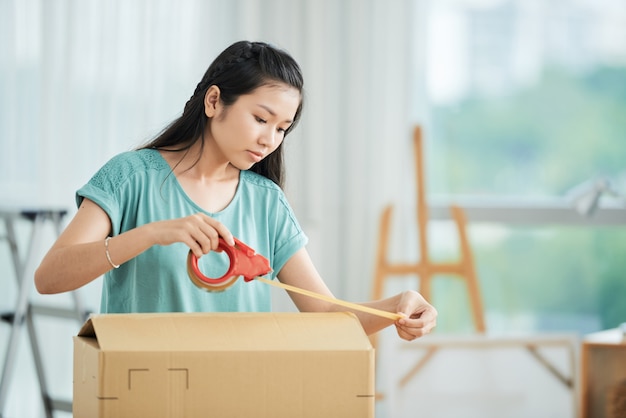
220	365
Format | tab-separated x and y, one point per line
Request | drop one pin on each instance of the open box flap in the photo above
226	331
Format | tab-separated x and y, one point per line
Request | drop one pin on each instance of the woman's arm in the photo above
78	256
419	316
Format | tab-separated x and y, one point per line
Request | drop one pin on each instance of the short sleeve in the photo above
103	188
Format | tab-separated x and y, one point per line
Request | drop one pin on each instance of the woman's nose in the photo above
268	137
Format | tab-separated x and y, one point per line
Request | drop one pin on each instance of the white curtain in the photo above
84	80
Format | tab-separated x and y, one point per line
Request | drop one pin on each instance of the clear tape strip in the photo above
355	306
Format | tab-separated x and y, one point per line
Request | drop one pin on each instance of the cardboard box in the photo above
220	365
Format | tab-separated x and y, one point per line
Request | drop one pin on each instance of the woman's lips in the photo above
255	156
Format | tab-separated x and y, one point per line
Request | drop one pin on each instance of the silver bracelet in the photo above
106	250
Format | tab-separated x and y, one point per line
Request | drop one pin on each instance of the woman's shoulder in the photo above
131	162
125	165
148	158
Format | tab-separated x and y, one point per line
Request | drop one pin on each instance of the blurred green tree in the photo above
539	140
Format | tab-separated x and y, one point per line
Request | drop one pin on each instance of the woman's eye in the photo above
258	119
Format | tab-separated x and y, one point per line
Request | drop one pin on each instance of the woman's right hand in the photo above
199	232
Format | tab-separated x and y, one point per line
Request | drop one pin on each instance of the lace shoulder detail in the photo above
124	166
259	180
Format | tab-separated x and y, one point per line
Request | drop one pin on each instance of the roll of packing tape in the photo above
207	283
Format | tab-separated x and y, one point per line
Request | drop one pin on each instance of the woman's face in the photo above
254	126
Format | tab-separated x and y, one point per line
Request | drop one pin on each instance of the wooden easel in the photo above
425	268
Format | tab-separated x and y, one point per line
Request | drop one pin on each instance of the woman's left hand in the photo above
420	317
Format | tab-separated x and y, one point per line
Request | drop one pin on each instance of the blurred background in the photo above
523	109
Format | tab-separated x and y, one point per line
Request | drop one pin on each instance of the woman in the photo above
216	171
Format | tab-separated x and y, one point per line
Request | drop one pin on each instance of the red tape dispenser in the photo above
244	261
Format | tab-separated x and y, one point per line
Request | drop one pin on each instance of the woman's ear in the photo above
211	101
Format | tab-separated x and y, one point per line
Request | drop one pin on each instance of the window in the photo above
526	100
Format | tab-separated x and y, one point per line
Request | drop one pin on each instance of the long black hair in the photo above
238	70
